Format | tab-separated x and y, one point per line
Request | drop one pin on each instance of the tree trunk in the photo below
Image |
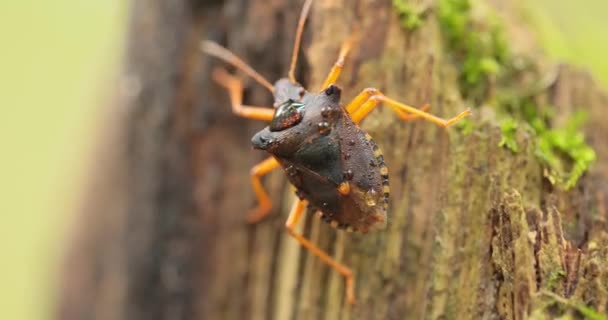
475	231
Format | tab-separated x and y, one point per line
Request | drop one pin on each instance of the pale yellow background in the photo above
56	62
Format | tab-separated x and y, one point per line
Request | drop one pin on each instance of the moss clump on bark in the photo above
554	306
563	150
508	127
410	17
489	74
477	45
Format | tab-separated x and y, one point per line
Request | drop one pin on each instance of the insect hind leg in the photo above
235	90
294	216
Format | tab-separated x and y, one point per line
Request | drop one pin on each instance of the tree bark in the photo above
475	231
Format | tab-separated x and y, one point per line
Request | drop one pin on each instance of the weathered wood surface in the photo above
475	232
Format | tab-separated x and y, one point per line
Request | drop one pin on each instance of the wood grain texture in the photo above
475	232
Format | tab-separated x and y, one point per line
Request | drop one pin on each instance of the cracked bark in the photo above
475	231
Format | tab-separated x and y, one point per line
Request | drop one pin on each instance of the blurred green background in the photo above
57	62
574	31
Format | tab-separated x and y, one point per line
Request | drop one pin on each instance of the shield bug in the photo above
335	166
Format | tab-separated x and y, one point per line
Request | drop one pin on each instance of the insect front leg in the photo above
264	203
235	90
294	216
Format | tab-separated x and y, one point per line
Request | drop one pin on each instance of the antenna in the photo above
214	49
296	46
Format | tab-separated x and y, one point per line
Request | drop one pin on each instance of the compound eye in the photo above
287	115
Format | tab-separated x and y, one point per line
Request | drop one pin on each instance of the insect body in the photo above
335	166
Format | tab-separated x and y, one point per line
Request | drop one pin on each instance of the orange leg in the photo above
367	100
292	220
362	97
333	75
235	89
264	203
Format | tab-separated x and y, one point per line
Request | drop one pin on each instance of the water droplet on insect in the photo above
348	174
370	198
325	111
351	142
325	204
324	128
346	156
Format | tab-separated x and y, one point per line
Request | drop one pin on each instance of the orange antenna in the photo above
296	46
214	49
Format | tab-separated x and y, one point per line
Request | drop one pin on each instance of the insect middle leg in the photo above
333	75
264	203
366	94
294	216
367	100
235	90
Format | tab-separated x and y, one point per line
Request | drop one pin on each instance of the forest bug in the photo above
335	166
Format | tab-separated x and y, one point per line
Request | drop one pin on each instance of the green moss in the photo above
586	311
565	152
411	18
508	127
465	126
562	150
554	277
479	48
488	74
